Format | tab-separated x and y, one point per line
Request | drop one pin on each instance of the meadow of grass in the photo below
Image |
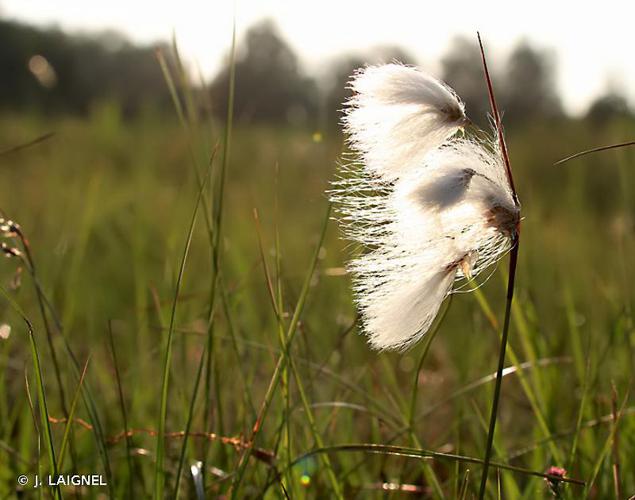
107	205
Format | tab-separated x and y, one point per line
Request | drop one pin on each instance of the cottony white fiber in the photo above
398	114
429	209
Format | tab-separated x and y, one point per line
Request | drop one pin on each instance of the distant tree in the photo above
269	86
335	89
48	70
461	68
335	85
529	91
607	107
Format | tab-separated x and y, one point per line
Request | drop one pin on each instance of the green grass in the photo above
107	204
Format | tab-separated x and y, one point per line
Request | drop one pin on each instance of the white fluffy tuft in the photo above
397	115
444	219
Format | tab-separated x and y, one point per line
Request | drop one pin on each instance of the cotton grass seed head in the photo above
429	209
397	114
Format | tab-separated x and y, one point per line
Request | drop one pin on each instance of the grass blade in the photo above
403	451
282	361
606	449
122	404
33	142
71	416
160	454
215	248
36	426
594	150
41	393
188	427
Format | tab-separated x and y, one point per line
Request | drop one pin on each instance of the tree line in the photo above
47	70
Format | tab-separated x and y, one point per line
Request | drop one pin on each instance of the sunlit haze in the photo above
592	46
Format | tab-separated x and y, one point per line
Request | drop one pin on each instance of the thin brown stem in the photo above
616	444
33	142
595	150
513	261
497	121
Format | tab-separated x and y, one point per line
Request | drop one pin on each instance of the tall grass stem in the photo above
513	261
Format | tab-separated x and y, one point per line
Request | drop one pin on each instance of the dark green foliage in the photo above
461	68
608	107
85	70
528	90
107	217
270	86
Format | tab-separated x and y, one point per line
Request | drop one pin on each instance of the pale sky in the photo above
594	46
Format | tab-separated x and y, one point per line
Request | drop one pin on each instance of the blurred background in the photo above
295	60
106	196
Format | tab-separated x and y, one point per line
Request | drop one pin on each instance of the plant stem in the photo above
49	335
513	260
281	364
159	484
594	150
